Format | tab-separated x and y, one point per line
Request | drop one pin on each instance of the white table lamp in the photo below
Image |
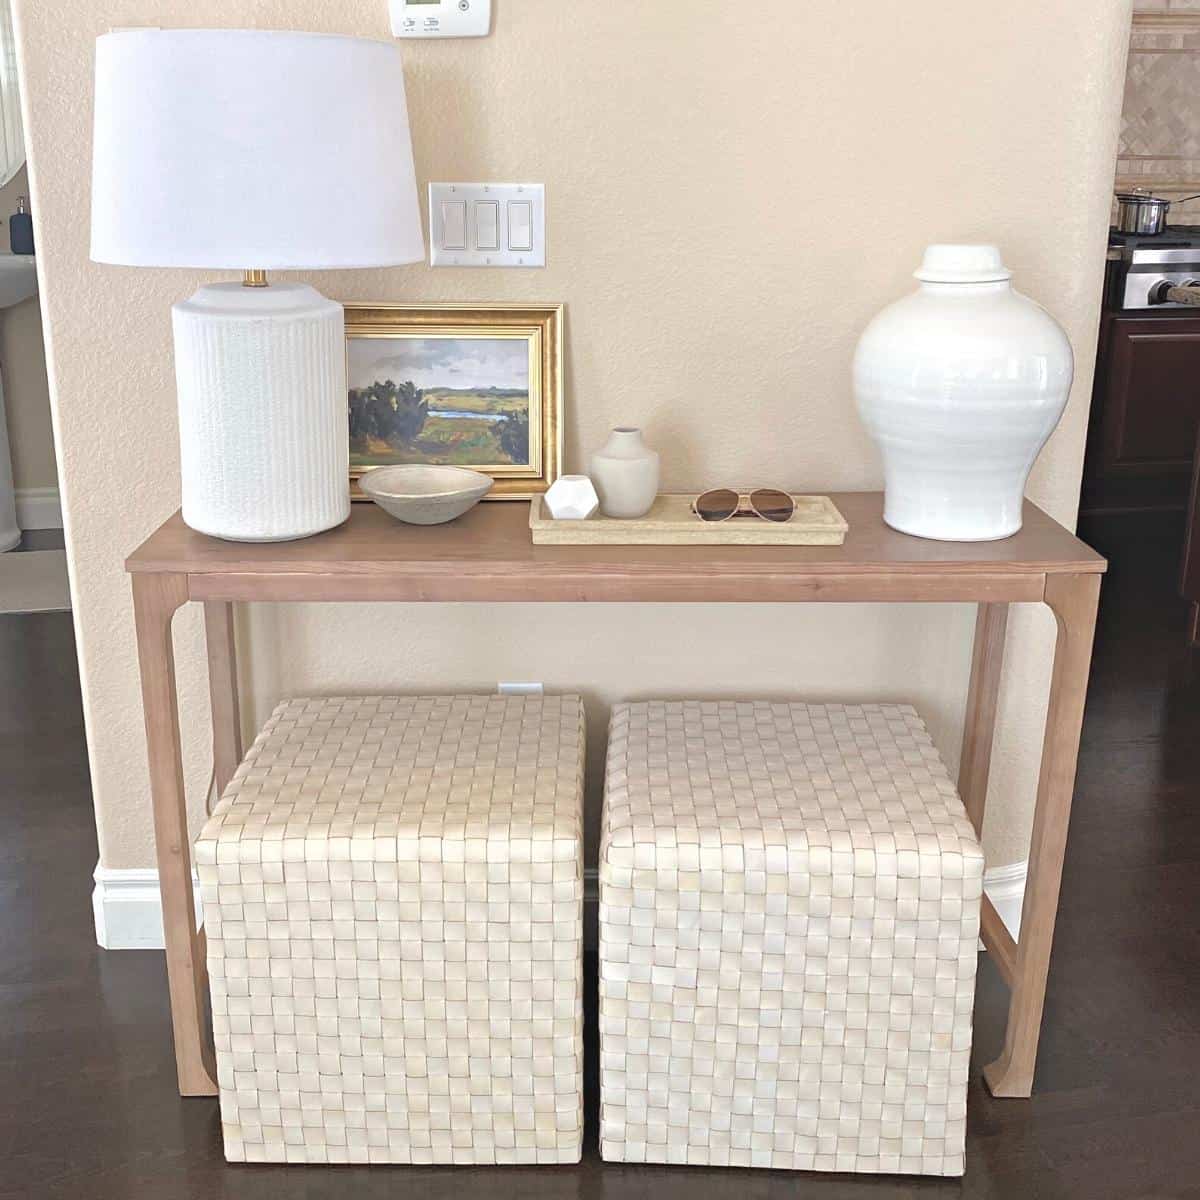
255	150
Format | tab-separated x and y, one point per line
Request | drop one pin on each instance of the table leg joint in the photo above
979	726
156	598
1073	599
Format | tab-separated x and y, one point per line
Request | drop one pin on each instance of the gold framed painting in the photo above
461	385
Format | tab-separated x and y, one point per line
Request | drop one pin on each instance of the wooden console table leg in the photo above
155	599
1073	600
223	691
979	728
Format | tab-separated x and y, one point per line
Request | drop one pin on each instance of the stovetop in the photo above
1142	268
1174	237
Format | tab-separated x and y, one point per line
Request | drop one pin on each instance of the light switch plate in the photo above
487	225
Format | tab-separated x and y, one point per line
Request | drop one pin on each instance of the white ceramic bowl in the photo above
425	495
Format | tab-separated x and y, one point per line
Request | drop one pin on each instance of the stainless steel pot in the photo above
1140	212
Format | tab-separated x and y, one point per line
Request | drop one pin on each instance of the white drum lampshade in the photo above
255	150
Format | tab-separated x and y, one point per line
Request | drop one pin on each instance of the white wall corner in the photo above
1005	888
39	508
128	908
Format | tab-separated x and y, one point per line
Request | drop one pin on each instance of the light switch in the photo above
487	225
454	224
520	225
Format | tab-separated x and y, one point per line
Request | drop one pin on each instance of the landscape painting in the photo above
452	386
454	401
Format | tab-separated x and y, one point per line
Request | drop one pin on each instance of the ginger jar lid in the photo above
947	263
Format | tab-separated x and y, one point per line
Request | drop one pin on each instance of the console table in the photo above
487	555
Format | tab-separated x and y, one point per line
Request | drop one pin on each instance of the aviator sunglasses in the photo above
722	504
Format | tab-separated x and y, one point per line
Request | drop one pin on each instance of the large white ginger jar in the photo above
960	384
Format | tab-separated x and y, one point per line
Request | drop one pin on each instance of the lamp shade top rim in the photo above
265	34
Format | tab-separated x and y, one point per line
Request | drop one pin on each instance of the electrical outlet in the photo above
519	689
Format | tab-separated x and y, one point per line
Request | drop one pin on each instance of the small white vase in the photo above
960	384
625	473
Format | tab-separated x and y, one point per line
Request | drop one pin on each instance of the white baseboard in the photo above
39	508
128	909
1005	887
129	912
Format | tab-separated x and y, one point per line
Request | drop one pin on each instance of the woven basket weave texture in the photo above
393	891
789	908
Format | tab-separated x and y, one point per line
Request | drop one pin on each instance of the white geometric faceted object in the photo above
572	498
393	899
789	907
261	378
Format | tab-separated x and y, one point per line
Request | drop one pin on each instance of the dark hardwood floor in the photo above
88	1108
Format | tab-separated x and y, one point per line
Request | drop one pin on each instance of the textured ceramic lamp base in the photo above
261	376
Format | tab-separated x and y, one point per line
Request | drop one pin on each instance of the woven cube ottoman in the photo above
789	907
393	894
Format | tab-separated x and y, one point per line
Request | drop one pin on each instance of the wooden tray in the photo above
671	522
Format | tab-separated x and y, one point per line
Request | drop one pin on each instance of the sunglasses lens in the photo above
772	505
718	505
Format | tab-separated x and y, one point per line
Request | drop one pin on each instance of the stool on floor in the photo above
393	893
789	907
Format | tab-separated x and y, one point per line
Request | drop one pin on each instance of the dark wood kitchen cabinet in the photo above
1145	413
1189	576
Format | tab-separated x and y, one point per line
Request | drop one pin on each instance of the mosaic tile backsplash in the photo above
1160	120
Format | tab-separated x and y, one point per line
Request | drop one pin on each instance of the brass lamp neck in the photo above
254	278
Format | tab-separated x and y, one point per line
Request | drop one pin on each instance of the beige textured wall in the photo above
23	360
728	205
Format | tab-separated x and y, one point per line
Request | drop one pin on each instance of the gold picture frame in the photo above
518	342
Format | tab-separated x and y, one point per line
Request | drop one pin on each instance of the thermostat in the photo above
441	18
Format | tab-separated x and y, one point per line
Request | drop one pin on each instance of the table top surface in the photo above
493	540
